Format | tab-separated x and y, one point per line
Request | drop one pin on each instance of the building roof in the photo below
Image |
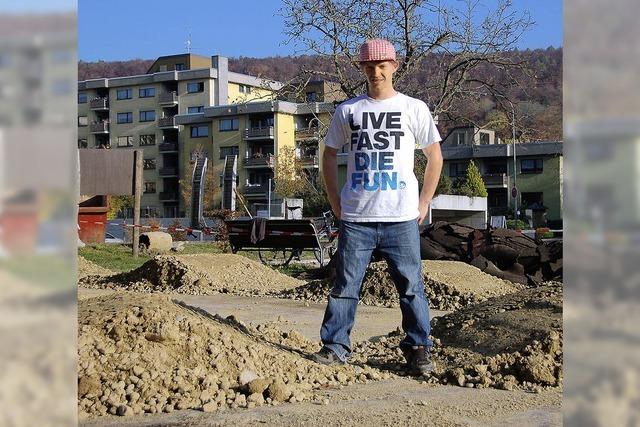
461	152
255	108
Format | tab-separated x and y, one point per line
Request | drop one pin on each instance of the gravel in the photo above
88	268
449	285
199	274
144	353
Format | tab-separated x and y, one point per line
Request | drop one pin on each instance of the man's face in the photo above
379	73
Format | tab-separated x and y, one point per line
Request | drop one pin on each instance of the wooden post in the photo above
137	194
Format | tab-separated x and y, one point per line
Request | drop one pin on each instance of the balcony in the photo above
99	127
168	172
495	180
259	133
168	99
256	189
259	162
168	147
311	161
305	134
99	104
168	196
167	123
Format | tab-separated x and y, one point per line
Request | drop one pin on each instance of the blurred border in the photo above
602	215
38	202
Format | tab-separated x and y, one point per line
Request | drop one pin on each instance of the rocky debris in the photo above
146	353
507	342
88	268
200	274
448	285
507	254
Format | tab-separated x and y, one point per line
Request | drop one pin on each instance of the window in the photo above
311	96
195	110
124	117
82	121
150	187
263	122
457	169
82	97
496	167
531	199
147	92
149	164
124	94
82	143
530	165
245	89
199	131
125	141
228	151
484	138
229	124
147	140
460	138
147	116
180	66
195	87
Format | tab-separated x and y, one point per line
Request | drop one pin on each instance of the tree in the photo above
289	178
420	164
117	204
473	185
458	42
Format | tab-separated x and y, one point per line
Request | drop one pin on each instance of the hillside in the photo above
538	94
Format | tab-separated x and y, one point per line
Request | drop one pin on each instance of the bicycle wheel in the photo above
275	257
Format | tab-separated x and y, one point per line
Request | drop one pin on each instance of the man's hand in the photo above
424	210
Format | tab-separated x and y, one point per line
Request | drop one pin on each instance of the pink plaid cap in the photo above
377	50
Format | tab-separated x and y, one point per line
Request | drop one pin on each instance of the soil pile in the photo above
200	274
145	353
88	268
449	285
505	342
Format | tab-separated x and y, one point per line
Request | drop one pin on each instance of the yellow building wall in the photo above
257	94
227	139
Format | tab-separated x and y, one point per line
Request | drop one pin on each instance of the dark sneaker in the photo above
327	357
418	360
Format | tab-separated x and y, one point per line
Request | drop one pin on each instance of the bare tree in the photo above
450	41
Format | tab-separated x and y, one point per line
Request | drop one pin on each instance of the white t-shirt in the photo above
381	136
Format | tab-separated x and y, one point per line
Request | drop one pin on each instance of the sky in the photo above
121	30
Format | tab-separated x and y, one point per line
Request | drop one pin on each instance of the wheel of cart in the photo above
275	256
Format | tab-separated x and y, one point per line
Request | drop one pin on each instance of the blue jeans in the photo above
399	245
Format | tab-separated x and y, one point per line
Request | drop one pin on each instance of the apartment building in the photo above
140	111
187	104
256	133
538	170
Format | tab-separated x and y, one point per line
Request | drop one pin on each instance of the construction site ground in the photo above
392	401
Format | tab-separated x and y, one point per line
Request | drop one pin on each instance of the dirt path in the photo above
386	403
396	401
305	317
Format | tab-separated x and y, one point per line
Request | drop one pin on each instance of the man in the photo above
379	206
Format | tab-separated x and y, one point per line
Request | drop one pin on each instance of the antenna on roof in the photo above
188	42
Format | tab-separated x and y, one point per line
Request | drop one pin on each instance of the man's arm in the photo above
431	178
330	175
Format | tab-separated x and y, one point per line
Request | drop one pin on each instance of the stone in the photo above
279	391
246	376
124	411
209	407
259	385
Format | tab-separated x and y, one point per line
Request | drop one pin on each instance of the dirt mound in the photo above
146	353
449	285
199	274
505	342
88	268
